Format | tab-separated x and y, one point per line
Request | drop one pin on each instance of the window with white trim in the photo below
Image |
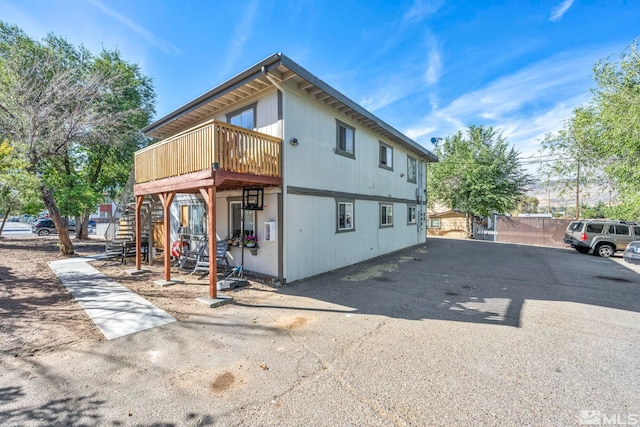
345	140
236	226
412	167
386	156
434	222
344	216
411	214
244	117
386	215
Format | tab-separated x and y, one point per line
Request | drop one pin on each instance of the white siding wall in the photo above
266	260
266	114
312	245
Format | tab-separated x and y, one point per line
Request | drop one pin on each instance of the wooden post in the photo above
139	200
210	198
167	199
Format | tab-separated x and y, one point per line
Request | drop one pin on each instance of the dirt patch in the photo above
223	382
292	323
39	315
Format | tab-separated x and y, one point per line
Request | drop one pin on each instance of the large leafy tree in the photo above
73	117
616	114
477	174
568	164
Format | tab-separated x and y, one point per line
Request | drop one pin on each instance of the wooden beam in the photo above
167	199
304	85
213	262
139	200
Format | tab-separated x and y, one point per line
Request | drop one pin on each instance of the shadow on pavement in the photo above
471	281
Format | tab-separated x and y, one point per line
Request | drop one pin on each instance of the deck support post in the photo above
139	200
209	196
167	199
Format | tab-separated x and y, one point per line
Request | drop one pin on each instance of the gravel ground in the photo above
454	333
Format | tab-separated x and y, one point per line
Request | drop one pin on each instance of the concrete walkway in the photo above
115	309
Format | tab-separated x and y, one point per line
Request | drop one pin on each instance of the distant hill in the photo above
591	196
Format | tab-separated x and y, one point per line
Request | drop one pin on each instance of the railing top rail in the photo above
205	124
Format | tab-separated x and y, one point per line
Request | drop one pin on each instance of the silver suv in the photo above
601	237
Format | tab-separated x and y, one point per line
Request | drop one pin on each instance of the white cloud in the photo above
241	35
434	63
146	34
421	9
525	105
558	12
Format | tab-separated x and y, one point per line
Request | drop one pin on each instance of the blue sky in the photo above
428	68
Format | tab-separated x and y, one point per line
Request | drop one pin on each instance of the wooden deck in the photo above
234	149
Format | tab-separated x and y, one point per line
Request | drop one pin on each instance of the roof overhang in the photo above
275	71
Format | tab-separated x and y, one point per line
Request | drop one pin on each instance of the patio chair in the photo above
202	261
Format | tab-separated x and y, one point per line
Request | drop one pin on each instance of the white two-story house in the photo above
339	184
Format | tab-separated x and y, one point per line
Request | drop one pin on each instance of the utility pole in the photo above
578	193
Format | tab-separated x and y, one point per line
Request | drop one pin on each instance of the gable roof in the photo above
260	78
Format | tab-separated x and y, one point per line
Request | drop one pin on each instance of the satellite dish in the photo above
434	140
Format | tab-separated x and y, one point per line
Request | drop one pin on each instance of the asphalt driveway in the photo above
454	333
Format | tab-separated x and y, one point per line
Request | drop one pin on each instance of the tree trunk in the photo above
62	224
82	226
4	220
470	225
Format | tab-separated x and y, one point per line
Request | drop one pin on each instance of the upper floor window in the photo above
345	139
244	117
412	167
386	156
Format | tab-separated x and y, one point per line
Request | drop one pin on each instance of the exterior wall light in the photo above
294	141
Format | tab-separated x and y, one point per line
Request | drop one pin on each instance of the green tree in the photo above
569	165
528	204
616	113
73	118
477	174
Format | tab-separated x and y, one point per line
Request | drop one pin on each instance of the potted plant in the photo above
250	240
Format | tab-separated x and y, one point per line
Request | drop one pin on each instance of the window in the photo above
622	230
434	222
345	140
192	219
244	117
576	226
386	156
236	226
386	215
411	214
344	216
594	228
636	230
412	167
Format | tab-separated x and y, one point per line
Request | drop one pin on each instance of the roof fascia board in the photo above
292	65
239	80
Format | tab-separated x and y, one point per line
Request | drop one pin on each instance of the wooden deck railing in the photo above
234	148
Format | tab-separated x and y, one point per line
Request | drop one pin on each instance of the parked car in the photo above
45	226
632	253
601	237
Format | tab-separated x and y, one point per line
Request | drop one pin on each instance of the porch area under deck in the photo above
208	158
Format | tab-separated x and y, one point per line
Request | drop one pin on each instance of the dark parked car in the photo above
45	226
632	253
